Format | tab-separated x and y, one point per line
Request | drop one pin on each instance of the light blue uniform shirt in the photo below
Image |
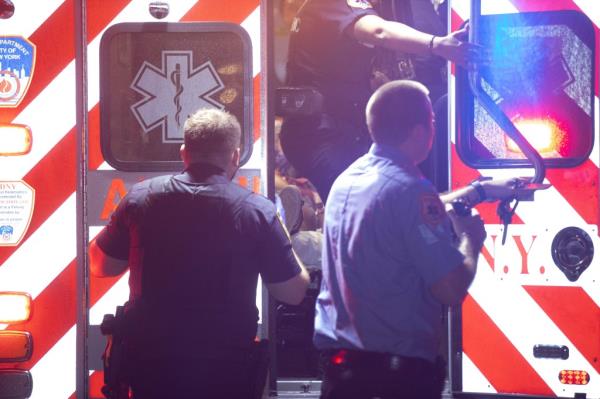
387	240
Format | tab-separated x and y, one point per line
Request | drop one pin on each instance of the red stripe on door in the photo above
221	11
53	313
575	314
95	158
495	356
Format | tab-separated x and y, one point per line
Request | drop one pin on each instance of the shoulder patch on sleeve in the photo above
432	209
362	4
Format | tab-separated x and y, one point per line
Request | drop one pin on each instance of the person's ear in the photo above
235	157
183	154
416	132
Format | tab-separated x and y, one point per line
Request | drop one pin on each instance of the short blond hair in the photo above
211	135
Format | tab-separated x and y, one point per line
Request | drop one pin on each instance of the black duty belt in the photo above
376	360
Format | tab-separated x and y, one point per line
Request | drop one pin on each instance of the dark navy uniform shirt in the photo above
387	240
196	243
324	54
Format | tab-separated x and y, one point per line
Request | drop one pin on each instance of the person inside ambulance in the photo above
393	256
345	49
191	320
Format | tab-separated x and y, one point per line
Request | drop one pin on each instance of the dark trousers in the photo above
238	375
367	375
321	148
184	380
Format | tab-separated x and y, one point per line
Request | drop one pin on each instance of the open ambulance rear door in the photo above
531	322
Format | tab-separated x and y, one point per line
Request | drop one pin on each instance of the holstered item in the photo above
298	101
114	359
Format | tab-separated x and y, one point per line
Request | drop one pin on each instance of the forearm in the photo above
468	193
471	253
453	289
376	31
103	265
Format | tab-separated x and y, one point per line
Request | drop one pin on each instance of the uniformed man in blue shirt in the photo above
333	47
195	244
393	256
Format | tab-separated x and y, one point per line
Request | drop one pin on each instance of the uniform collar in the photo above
201	172
387	151
391	153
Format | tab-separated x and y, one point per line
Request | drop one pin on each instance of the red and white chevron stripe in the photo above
519	297
44	263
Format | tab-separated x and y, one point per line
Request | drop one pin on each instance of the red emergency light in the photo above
544	134
15	346
574	377
339	357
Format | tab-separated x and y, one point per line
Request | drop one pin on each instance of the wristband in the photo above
431	44
480	190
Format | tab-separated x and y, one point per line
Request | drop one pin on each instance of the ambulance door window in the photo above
541	76
154	75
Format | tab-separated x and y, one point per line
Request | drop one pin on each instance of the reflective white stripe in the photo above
33	266
525	324
497	7
54	375
256	159
115	296
27	19
591	8
252	25
463	7
452	113
473	380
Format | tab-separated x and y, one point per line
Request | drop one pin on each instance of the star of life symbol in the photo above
173	92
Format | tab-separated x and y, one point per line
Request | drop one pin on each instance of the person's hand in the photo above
455	48
470	226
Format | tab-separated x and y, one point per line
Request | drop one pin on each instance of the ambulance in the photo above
92	96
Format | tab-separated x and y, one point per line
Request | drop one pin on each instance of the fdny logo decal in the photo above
172	92
432	209
17	62
362	4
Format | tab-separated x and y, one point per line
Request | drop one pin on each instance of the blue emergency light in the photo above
540	80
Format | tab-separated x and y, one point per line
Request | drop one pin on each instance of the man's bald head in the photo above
395	109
